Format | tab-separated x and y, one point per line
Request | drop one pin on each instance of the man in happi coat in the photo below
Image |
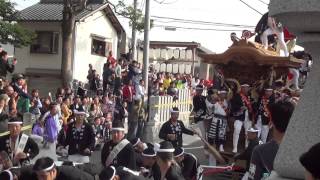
173	129
242	112
199	109
80	138
20	147
118	151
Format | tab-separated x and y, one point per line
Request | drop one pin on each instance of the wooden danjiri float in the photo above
249	62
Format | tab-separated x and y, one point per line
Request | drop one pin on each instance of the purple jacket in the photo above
51	129
37	130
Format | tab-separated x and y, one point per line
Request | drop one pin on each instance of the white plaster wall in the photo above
36	60
9	48
97	24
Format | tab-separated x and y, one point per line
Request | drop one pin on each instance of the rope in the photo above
172	104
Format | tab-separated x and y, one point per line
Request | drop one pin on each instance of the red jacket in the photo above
128	92
112	61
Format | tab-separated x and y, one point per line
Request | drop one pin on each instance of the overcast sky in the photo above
218	11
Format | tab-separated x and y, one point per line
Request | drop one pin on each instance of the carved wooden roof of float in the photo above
245	52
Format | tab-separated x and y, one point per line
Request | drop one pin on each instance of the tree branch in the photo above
114	7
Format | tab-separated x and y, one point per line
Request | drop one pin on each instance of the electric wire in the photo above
164	2
194	28
205	24
199	21
142	5
250	7
263	2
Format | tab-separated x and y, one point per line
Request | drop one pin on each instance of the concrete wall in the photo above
99	25
36	60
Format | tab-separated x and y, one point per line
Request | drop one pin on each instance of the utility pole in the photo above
146	44
134	31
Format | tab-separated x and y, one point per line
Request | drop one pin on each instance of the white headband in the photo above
15	122
269	89
253	130
10	174
114	172
117	129
220	92
180	153
165	150
138	141
79	112
48	168
148	155
173	111
247	85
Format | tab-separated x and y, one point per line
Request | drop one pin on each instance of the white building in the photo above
178	57
97	31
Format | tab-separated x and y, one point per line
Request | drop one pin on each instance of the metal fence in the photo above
160	106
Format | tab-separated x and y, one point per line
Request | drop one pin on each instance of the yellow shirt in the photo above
166	83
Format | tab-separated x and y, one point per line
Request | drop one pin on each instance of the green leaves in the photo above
10	31
7	10
127	11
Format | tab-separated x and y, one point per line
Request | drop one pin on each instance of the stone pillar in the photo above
302	18
151	130
205	71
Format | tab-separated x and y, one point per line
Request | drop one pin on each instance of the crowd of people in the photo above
262	110
163	83
110	114
71	125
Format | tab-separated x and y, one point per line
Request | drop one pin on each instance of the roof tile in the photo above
50	12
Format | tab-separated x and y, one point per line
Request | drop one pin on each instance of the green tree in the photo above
127	11
10	31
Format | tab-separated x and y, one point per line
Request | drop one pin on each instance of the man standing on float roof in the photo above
118	151
173	129
19	146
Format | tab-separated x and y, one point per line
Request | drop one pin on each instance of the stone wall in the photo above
302	18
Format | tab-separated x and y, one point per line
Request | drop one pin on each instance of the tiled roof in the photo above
51	12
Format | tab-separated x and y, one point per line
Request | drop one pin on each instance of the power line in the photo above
193	28
142	5
160	2
199	21
264	2
164	2
251	7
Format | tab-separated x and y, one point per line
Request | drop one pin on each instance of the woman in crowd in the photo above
65	110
